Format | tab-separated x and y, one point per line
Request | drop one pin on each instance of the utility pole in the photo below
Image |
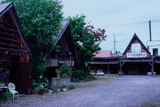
114	45
150	35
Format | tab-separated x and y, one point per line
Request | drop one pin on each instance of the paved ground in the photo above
107	91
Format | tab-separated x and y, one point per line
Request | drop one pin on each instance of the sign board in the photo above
137	55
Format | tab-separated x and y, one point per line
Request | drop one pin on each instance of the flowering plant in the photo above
3	76
119	73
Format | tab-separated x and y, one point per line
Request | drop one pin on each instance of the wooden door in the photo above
24	80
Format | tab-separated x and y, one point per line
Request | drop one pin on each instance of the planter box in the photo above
50	91
65	81
64	89
58	89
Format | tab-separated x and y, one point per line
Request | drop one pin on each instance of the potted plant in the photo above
8	95
119	73
50	89
64	75
64	87
67	70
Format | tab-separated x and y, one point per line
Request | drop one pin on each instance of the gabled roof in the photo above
65	26
104	53
5	6
135	37
9	7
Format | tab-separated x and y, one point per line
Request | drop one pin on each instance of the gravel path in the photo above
106	91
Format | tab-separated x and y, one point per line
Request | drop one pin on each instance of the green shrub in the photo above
58	72
71	87
90	77
82	75
63	86
51	88
8	94
64	75
66	69
42	83
75	80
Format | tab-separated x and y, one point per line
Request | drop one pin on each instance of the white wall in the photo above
152	45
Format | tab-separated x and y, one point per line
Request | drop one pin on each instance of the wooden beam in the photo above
147	60
8	29
8	34
9	25
15	50
103	62
6	39
9	45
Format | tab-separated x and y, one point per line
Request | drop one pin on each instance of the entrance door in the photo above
14	69
24	80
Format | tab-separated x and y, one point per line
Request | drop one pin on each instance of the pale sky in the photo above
120	17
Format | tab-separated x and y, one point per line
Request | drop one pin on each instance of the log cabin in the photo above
62	52
15	53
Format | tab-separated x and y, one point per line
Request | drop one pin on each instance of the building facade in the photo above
63	51
15	53
136	59
154	47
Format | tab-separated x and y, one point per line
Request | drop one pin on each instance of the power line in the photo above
136	23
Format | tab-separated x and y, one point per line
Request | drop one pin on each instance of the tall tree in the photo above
86	39
40	19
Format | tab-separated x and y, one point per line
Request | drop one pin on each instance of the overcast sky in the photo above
120	17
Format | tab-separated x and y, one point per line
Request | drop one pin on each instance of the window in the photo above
135	47
155	51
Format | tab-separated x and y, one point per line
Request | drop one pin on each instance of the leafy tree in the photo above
40	19
86	39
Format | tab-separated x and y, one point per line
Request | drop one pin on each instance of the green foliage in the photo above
66	69
57	47
63	86
71	87
90	77
86	39
82	75
42	83
38	68
75	80
40	20
64	75
79	75
51	88
8	94
58	72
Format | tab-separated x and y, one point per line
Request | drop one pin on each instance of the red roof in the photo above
105	53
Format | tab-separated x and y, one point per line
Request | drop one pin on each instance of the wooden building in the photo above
14	50
136	59
62	52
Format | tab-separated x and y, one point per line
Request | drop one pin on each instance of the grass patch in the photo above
150	104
